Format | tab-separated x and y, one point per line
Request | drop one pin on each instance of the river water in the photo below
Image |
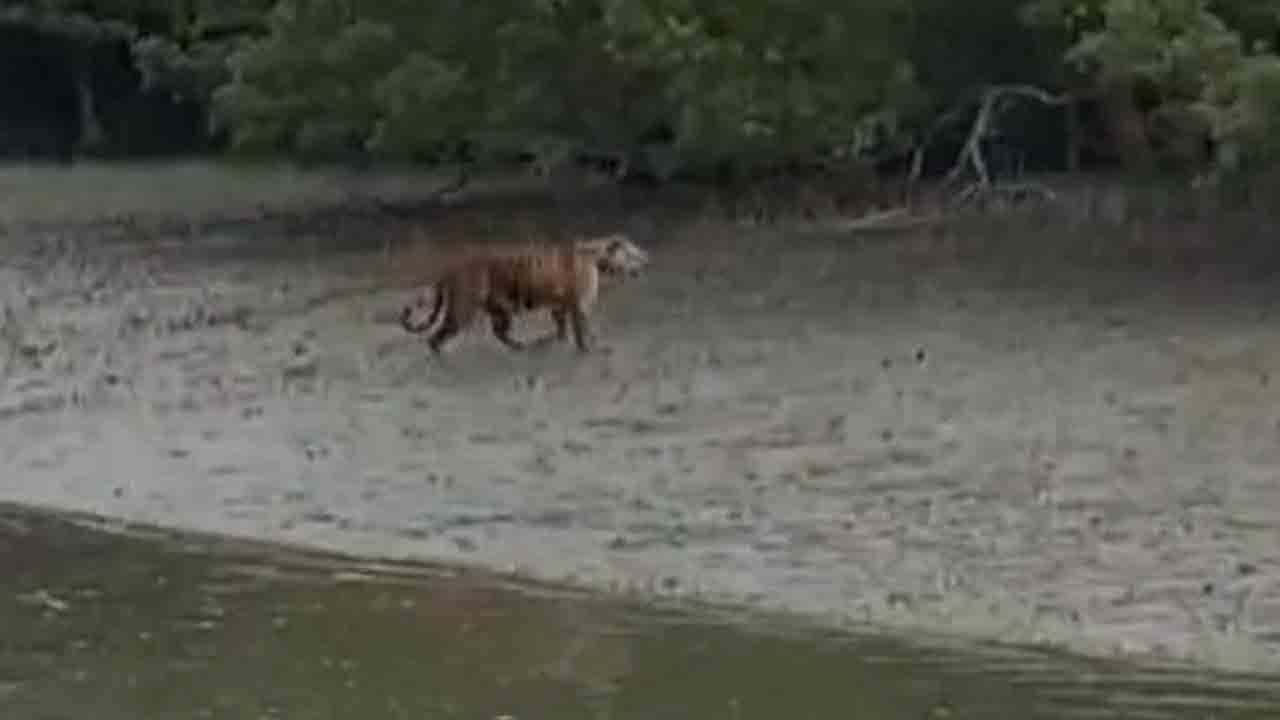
145	624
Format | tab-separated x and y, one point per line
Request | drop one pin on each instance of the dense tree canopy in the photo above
688	86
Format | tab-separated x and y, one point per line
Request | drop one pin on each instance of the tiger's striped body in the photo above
504	283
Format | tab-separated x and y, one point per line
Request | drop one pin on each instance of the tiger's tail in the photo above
406	317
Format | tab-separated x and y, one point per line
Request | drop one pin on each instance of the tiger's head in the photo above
615	254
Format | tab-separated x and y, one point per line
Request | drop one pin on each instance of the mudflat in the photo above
846	429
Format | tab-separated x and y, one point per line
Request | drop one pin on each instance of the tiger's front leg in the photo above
583	337
561	318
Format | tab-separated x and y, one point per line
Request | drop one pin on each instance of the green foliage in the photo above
1246	115
327	82
1257	21
1204	76
422	109
769	81
1173	43
755	83
193	72
714	86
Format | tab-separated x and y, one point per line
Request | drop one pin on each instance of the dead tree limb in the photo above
989	101
988	112
992	102
917	157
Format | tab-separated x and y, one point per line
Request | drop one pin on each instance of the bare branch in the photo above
988	109
917	159
1030	92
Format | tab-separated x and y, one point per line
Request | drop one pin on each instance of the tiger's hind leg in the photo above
446	332
460	316
561	318
408	317
500	319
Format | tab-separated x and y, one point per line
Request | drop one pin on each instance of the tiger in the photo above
506	282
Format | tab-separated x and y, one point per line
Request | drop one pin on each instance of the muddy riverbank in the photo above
849	430
148	623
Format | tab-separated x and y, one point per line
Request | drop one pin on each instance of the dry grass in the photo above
33	194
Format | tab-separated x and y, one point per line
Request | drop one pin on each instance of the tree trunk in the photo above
1074	139
1126	123
91	133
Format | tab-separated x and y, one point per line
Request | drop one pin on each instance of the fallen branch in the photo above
891	220
976	192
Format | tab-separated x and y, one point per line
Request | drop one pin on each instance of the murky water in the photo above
156	626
